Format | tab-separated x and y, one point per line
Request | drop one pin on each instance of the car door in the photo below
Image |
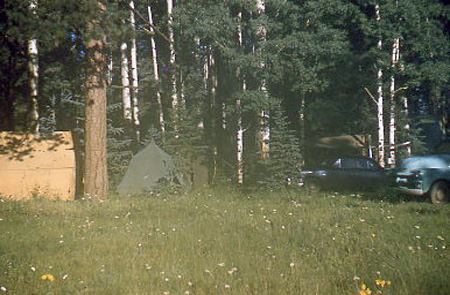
369	174
347	177
329	175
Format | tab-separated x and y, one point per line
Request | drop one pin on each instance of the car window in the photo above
336	163
362	164
348	163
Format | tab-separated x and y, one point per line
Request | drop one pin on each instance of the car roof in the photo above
435	161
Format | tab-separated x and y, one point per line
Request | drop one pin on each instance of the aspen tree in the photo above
380	100
134	77
162	124
172	63
126	95
264	132
240	129
406	127
395	57
33	77
213	91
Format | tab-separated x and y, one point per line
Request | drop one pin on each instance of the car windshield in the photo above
431	162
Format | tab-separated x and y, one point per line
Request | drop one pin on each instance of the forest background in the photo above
242	86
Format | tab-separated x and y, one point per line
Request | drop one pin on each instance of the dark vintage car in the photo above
345	173
427	176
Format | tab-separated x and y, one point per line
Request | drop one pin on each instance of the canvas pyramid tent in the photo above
148	169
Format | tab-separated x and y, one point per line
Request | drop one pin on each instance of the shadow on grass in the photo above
393	197
388	196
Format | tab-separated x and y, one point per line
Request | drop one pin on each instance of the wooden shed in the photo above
37	166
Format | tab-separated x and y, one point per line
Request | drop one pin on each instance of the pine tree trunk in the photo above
134	78
162	124
264	131
172	62
380	101
95	173
33	76
126	95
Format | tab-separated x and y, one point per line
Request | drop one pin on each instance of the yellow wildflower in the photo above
368	291
388	283
48	277
362	292
373	235
363	286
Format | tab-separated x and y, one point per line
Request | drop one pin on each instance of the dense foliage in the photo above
315	59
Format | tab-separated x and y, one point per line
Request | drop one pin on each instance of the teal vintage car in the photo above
427	176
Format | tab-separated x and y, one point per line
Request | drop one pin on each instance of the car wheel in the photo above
440	193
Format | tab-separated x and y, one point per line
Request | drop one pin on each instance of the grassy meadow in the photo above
222	241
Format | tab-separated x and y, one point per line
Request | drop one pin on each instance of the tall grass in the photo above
225	242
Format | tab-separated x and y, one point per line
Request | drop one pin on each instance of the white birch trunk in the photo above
109	76
240	129
407	126
172	62
156	73
264	133
134	77
380	101
33	77
213	89
392	121
126	94
302	128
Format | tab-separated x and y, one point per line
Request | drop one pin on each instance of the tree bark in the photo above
33	77
395	57
407	127
134	79
264	131
162	124
240	129
172	62
380	101
302	112
126	94
95	173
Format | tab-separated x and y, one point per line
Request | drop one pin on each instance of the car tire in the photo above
440	193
